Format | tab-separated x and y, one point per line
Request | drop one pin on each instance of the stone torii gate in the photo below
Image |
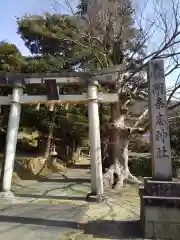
52	82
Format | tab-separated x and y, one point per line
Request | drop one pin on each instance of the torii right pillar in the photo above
160	196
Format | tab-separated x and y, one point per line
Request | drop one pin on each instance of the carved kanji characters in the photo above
161	135
158	89
159	103
162	152
160	119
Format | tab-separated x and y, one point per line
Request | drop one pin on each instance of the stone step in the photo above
162	188
161	201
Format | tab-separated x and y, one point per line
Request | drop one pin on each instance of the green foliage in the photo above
10	58
72	41
142	166
175	133
57	37
69	125
40	64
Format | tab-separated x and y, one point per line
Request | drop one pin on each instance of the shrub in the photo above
137	144
141	166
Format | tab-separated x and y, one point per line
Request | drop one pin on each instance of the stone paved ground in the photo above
55	208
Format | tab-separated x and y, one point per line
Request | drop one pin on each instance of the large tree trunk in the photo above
117	154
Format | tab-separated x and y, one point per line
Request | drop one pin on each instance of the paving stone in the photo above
58	211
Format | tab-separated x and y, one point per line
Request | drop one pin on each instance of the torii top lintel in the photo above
106	76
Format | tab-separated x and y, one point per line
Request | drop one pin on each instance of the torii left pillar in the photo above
95	142
11	138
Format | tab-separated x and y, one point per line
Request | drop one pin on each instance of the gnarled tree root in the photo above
108	178
116	179
132	179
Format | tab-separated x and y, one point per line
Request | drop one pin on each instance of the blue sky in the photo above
9	11
12	9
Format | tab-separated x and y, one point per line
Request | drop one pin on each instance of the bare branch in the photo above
141	118
172	93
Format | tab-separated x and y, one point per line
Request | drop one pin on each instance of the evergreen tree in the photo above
10	58
56	37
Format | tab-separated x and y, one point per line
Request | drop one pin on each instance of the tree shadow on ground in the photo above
99	229
80	166
39	221
73	198
113	229
65	180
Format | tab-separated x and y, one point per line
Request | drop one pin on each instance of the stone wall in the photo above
162	222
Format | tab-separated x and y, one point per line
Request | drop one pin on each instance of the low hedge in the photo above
141	166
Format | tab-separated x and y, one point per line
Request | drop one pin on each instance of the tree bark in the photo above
114	139
48	143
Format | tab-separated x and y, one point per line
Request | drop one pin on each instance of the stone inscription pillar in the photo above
160	140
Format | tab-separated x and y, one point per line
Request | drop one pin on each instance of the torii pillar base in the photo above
98	198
